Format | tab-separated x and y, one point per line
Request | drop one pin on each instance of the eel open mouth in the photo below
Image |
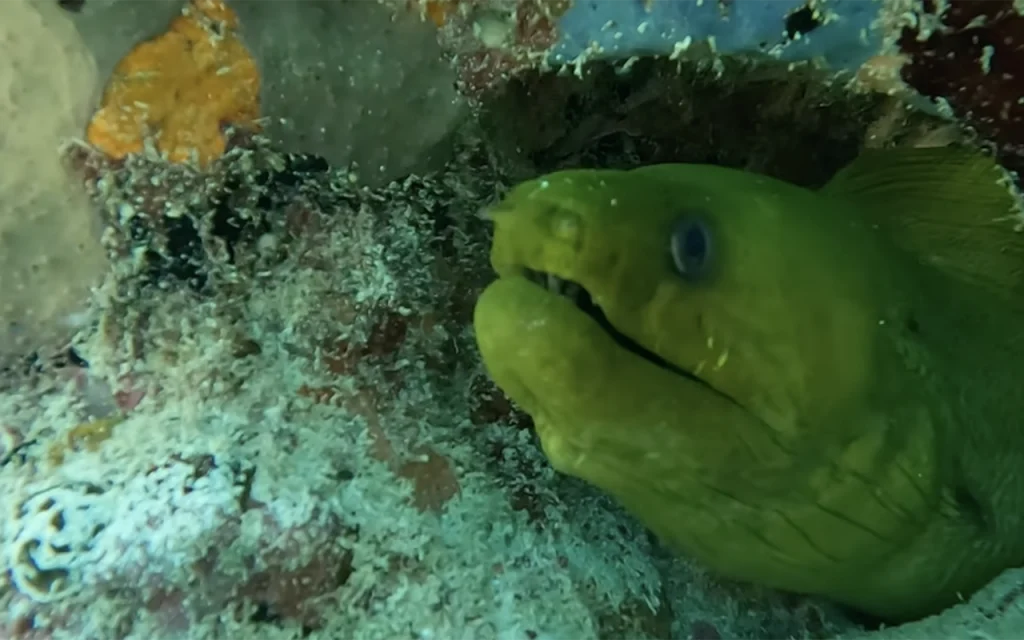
579	296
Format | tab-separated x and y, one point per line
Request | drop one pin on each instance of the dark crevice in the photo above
802	21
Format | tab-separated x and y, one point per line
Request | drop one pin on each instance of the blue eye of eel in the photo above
692	248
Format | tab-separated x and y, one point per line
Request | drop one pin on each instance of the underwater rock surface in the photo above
50	250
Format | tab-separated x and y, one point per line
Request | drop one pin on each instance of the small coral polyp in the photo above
53	534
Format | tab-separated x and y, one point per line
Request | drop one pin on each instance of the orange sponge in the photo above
180	89
438	10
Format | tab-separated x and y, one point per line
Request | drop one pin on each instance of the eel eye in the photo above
692	249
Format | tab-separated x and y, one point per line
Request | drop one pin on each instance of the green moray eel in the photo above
817	391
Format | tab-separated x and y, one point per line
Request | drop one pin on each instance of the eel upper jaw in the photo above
579	296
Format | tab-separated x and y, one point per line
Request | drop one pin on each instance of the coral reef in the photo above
50	251
276	425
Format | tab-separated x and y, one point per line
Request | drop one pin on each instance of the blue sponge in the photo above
840	33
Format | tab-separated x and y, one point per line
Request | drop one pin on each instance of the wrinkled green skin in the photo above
837	446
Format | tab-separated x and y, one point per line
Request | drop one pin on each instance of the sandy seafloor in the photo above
274	424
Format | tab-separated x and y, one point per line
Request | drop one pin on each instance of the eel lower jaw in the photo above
579	296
